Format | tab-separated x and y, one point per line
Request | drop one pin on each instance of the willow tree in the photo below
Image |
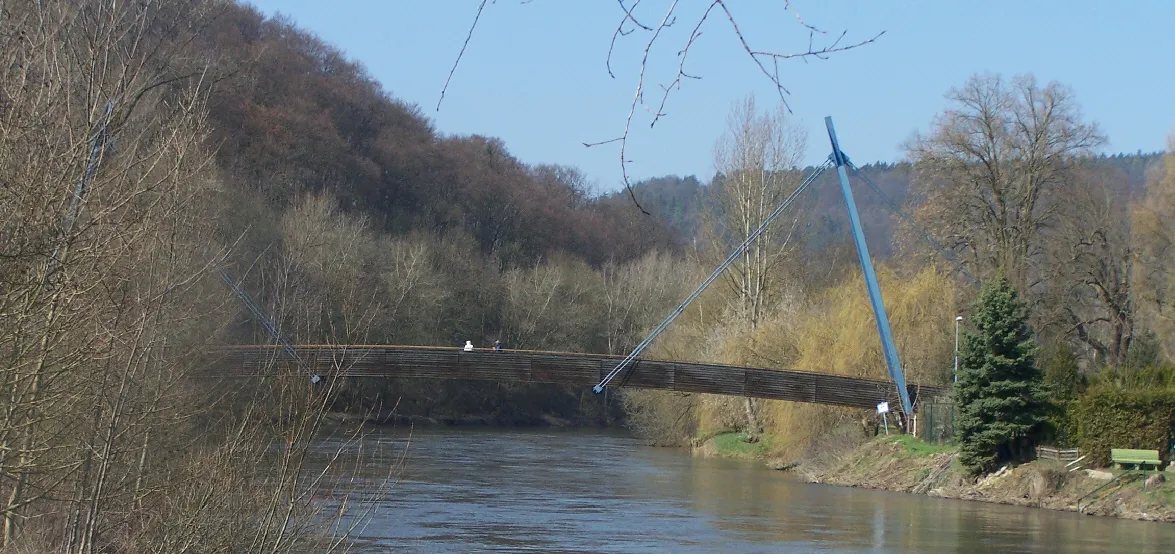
1153	223
994	167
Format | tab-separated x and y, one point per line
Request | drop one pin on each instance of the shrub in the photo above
1059	425
1108	417
1148	377
1062	377
663	418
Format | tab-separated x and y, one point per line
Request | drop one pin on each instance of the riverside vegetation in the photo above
1085	281
145	146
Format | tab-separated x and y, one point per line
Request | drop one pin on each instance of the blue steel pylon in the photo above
892	362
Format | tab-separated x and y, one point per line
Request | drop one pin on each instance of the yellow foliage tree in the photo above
836	333
1154	229
832	332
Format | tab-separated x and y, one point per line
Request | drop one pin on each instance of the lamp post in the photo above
958	320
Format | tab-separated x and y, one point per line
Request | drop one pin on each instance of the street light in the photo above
958	320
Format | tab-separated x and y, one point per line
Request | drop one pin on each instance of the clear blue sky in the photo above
534	72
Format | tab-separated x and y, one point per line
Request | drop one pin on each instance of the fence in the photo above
1060	454
936	421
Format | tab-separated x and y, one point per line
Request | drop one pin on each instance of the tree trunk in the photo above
753	426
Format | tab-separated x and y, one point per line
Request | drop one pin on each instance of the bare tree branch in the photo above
481	6
682	54
620	32
766	60
637	98
758	56
775	57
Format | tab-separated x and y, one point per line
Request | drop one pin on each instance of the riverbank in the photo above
902	463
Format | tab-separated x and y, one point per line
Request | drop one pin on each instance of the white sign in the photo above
883	408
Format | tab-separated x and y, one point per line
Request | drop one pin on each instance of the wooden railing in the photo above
417	362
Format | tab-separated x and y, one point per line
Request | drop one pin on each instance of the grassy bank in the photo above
902	463
906	464
735	445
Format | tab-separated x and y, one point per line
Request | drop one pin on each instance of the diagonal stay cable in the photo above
267	323
713	276
894	207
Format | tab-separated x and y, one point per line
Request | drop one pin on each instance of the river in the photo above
462	490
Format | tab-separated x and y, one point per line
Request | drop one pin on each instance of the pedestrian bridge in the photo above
567	368
600	371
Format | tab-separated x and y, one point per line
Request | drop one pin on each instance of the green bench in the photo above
1128	456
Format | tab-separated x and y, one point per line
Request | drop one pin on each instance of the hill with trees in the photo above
294	117
681	202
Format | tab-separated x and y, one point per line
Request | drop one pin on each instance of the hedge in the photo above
1108	417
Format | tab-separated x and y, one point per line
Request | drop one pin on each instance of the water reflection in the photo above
569	491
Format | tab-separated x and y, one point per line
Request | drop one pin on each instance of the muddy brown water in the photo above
470	490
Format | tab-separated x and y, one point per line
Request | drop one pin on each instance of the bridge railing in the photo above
572	369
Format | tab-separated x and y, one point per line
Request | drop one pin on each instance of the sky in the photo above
534	71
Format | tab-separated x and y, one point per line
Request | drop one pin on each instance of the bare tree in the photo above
112	438
535	305
994	169
757	160
326	273
407	274
94	254
1092	267
636	296
550	305
758	164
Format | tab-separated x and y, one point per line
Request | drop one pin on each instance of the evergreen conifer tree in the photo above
1000	390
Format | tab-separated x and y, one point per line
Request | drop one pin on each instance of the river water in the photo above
595	491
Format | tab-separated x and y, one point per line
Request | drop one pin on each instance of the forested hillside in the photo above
681	202
355	221
296	118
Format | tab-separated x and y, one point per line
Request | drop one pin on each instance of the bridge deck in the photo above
527	366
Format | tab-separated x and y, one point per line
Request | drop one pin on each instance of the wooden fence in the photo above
1059	454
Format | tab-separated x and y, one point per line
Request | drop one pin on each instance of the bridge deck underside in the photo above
576	369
